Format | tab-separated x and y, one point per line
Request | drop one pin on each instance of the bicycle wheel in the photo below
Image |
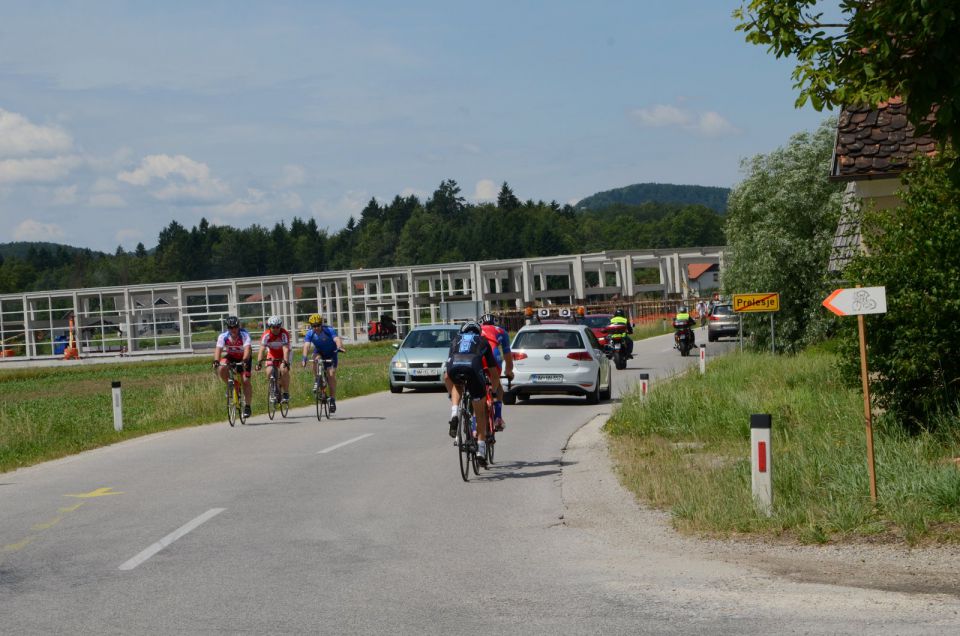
231	404
325	402
284	406
272	395
241	400
464	443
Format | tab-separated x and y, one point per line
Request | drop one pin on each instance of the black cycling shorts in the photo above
470	375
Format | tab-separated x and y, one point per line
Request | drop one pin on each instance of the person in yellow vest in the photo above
683	318
620	320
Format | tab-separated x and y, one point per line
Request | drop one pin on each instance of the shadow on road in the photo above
523	470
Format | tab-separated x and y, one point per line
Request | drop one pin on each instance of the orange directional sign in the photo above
756	302
857	300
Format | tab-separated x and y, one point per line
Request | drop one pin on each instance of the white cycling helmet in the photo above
274	321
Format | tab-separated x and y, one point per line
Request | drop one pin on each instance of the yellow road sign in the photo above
756	302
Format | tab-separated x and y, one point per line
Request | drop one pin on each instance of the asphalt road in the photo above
363	525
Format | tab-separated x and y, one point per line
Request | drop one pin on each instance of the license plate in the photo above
424	372
546	378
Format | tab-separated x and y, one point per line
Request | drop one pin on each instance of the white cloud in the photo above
472	149
30	230
104	185
163	166
128	235
106	200
18	137
713	125
486	190
293	175
336	212
65	195
259	202
413	192
184	180
662	115
708	123
37	170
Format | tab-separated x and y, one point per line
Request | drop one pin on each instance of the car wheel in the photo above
607	393
509	398
594	396
395	389
711	337
523	397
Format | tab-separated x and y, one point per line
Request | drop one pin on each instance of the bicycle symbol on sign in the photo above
863	302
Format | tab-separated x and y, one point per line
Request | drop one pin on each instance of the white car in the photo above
559	360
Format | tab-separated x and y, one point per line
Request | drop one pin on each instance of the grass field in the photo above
687	449
47	412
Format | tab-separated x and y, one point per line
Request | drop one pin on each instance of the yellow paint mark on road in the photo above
71	508
13	547
48	524
99	492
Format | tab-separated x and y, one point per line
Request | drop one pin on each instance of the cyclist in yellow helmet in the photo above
326	345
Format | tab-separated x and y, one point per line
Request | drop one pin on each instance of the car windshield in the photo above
722	310
596	321
548	339
429	339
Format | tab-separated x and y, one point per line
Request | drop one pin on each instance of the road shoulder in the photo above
595	502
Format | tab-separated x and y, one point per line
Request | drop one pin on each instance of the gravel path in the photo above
596	502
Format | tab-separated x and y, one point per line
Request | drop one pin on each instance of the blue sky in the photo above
119	117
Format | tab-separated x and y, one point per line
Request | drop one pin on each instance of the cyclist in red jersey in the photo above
234	346
500	344
275	344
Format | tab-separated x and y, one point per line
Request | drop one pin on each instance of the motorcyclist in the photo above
683	320
625	328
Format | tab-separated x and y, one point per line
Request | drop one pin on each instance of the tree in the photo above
881	49
780	224
914	347
506	200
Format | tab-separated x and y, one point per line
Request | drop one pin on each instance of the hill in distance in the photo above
710	196
19	249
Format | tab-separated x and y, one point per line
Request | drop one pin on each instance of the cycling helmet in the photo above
488	319
618	312
274	321
315	319
683	309
471	327
232	321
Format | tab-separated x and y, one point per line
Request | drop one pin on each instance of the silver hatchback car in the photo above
723	321
420	358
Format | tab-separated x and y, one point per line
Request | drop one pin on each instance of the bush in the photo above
914	347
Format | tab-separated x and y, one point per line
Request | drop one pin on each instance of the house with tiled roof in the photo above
873	148
703	278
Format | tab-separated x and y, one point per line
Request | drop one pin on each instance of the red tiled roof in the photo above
696	270
876	142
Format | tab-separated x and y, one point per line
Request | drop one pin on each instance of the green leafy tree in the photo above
876	50
912	251
780	224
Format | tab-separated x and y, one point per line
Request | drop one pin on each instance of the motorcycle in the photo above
683	338
616	348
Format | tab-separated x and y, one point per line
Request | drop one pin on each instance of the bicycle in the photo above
465	442
491	420
321	391
274	394
236	401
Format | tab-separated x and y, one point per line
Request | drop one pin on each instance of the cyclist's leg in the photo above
497	388
247	384
454	390
222	370
284	371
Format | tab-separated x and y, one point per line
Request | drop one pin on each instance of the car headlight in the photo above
399	364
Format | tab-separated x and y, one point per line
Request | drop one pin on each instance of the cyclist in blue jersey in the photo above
469	361
326	345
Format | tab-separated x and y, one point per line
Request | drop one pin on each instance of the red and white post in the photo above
761	461
117	406
644	385
703	359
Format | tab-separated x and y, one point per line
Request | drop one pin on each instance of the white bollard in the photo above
117	407
703	359
761	461
644	385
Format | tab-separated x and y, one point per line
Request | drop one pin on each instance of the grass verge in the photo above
687	449
50	412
